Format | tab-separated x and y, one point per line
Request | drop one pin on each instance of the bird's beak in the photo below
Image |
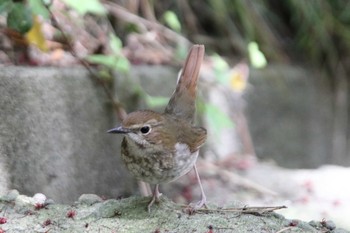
119	129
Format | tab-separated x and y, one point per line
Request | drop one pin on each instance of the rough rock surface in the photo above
19	213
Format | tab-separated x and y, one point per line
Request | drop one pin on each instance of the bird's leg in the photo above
145	188
155	197
203	200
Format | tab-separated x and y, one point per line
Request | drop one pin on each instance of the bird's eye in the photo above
145	129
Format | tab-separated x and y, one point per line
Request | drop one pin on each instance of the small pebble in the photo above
23	200
10	196
315	224
89	199
49	201
39	198
329	225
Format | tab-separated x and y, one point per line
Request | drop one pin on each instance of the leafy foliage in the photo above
216	118
86	6
35	36
257	58
114	61
5	5
172	21
38	8
156	101
19	17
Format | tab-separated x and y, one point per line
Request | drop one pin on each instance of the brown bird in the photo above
161	147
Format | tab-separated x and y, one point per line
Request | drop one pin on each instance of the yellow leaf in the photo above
36	37
238	77
237	82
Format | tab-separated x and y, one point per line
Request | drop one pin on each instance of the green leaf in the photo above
115	43
105	74
217	118
220	68
38	8
172	20
20	18
156	101
219	63
112	62
5	5
122	64
100	59
257	58
86	6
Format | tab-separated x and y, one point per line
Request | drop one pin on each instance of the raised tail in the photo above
182	102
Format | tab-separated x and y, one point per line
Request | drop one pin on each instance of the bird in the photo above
162	147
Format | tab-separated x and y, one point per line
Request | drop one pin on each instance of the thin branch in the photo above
257	210
117	106
144	24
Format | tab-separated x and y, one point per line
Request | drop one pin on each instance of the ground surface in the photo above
20	213
310	194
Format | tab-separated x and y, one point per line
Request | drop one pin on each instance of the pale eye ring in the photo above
145	129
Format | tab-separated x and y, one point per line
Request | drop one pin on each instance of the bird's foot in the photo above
155	198
193	207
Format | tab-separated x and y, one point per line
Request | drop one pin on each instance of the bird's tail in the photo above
182	102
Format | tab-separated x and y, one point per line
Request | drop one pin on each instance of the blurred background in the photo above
273	94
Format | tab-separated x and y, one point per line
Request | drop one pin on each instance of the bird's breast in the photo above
156	165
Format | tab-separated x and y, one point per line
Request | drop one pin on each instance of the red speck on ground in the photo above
3	220
39	206
71	214
293	223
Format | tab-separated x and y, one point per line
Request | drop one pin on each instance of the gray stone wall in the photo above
291	117
53	136
53	124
